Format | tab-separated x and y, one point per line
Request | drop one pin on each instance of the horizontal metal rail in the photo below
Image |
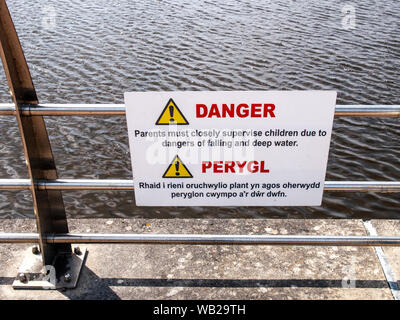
119	109
109	184
19	237
363	186
205	239
66	109
15	184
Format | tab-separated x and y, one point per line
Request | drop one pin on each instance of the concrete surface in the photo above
215	272
390	228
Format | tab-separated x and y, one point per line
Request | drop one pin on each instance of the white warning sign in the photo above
229	148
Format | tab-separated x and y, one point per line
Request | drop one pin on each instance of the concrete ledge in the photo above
392	227
214	272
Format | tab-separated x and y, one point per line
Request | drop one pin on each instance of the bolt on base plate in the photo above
64	273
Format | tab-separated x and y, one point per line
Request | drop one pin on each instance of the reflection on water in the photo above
94	51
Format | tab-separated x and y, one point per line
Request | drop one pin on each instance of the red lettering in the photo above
230	166
241	165
201	110
218	167
234	166
230	111
214	111
206	165
269	108
263	169
242	110
252	166
256	110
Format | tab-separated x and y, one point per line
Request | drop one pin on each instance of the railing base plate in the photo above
64	273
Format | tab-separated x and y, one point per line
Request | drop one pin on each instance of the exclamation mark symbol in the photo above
177	168
171	112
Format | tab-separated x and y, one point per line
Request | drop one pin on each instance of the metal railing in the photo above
205	239
53	236
119	109
114	184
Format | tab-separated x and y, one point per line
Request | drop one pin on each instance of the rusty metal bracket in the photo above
48	204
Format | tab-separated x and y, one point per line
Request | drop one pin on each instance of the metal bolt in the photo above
67	277
35	250
77	251
22	277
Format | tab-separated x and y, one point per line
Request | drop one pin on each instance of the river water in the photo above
94	51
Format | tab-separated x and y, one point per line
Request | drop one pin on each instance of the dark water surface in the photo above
94	51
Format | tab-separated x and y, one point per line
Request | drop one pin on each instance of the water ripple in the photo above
97	50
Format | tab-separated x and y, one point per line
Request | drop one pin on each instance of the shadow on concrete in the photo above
91	282
90	286
248	283
5	281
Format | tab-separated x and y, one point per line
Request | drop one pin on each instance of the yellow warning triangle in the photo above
171	115
177	170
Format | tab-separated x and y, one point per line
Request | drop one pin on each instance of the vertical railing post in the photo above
48	204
